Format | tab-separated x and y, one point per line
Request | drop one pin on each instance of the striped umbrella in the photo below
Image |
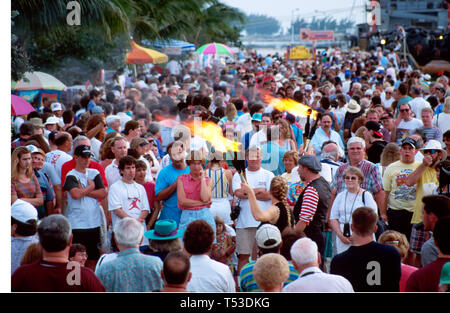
39	80
215	48
141	55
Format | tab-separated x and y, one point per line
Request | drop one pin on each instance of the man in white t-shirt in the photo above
85	188
259	179
405	124
126	198
58	157
119	149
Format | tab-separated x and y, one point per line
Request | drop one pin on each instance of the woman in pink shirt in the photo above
194	192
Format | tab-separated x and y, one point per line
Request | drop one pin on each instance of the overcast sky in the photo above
283	9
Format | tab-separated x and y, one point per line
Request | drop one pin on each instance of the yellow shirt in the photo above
401	197
425	185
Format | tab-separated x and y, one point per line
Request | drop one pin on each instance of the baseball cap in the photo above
311	162
375	127
35	149
268	236
82	151
257	117
308	87
409	141
23	211
56	106
386	115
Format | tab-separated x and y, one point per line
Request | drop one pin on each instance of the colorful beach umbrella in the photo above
215	48
20	106
39	80
141	55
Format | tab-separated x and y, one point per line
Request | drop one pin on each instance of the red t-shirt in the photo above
70	165
43	276
150	190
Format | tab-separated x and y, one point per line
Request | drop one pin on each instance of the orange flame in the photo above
213	133
291	106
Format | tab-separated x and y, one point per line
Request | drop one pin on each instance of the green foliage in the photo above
20	64
101	41
262	24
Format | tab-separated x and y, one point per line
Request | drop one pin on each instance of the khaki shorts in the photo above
245	239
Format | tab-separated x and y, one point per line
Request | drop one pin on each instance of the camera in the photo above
346	231
235	212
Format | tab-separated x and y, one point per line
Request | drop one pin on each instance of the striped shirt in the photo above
30	189
372	180
433	133
309	204
247	281
219	183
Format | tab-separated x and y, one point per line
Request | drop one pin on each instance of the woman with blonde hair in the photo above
398	240
290	161
24	184
271	271
279	213
390	154
285	140
345	203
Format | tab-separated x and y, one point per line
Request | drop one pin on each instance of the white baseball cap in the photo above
268	236
111	118
23	211
308	87
56	106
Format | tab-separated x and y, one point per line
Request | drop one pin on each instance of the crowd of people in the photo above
351	196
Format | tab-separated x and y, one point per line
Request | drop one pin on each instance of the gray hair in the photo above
304	251
332	155
77	139
154	128
356	139
54	233
128	232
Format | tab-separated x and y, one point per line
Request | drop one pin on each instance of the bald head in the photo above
176	268
330	151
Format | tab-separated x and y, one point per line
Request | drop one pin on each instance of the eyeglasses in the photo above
432	151
404	110
351	178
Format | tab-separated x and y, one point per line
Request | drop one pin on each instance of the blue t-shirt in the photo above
166	177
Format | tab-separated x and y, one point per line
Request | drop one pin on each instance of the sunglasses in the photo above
351	178
432	151
404	110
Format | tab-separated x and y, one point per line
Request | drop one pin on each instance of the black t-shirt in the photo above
372	267
374	152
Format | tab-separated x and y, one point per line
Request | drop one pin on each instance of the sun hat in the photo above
434	145
353	106
164	230
36	121
268	236
23	211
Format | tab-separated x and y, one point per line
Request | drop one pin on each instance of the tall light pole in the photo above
292	25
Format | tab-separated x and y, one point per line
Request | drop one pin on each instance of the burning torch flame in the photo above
213	133
209	131
291	106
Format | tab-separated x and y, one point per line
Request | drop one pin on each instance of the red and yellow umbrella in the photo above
141	55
